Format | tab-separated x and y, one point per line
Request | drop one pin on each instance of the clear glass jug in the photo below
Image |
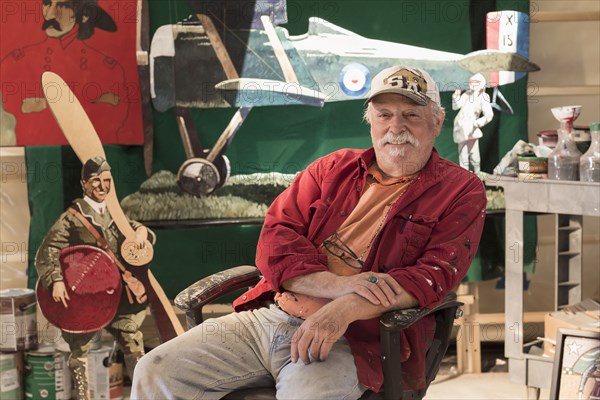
589	163
563	162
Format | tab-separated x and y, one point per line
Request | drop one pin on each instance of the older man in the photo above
358	233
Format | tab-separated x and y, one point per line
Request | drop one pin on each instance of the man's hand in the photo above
316	336
456	94
378	288
59	293
141	234
33	104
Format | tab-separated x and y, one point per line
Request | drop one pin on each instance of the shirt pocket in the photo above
416	229
318	212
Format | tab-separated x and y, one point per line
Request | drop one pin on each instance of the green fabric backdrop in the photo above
286	139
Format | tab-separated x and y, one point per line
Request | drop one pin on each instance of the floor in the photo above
487	385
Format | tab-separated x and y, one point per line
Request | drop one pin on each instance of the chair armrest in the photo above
192	299
397	320
392	322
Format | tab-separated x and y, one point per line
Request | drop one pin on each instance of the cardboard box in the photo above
582	316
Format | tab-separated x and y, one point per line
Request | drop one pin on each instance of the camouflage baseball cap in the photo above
413	83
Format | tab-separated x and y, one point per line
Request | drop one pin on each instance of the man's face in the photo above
98	187
475	85
403	133
59	17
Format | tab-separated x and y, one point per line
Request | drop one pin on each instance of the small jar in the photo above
589	163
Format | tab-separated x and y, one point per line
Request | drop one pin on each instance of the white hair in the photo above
436	110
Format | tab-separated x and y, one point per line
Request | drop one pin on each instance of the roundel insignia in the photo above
355	79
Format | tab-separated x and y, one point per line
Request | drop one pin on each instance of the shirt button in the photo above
244	297
358	189
342	213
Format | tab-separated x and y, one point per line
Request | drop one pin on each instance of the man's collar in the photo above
69	37
366	158
100	208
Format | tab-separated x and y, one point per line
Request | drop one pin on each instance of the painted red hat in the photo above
93	283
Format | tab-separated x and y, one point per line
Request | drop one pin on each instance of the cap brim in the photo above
403	92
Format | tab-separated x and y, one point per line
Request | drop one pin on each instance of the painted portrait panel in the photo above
91	44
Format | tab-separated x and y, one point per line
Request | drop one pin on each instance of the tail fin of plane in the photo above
507	31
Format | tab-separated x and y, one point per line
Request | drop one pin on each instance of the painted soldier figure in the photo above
77	263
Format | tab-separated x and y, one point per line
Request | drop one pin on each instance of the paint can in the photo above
105	375
18	324
47	374
11	376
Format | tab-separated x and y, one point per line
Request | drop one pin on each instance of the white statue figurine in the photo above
475	112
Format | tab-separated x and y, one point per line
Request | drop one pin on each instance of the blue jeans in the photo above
239	351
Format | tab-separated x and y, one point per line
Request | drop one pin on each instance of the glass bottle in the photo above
589	163
563	162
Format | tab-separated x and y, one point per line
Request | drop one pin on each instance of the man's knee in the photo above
346	389
147	369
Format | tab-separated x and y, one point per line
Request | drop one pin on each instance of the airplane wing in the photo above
252	92
484	61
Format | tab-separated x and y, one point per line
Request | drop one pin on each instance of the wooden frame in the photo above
576	364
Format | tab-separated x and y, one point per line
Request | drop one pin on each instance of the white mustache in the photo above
401	138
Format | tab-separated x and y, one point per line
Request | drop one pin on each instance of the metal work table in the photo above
569	201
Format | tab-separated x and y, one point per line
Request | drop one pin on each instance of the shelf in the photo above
569	228
568	284
569	253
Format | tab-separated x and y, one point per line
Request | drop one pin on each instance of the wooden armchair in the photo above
205	291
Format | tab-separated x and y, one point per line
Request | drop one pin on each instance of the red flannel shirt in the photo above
427	244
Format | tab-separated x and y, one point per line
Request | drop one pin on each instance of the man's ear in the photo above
440	123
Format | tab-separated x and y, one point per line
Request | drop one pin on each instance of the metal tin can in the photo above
105	377
18	323
11	376
47	374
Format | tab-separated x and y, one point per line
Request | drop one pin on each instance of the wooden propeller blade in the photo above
177	327
82	136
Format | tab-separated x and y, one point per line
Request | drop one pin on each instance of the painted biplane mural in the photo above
233	54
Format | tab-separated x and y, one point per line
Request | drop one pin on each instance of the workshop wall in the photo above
284	139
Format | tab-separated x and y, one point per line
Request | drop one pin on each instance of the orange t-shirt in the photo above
356	235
